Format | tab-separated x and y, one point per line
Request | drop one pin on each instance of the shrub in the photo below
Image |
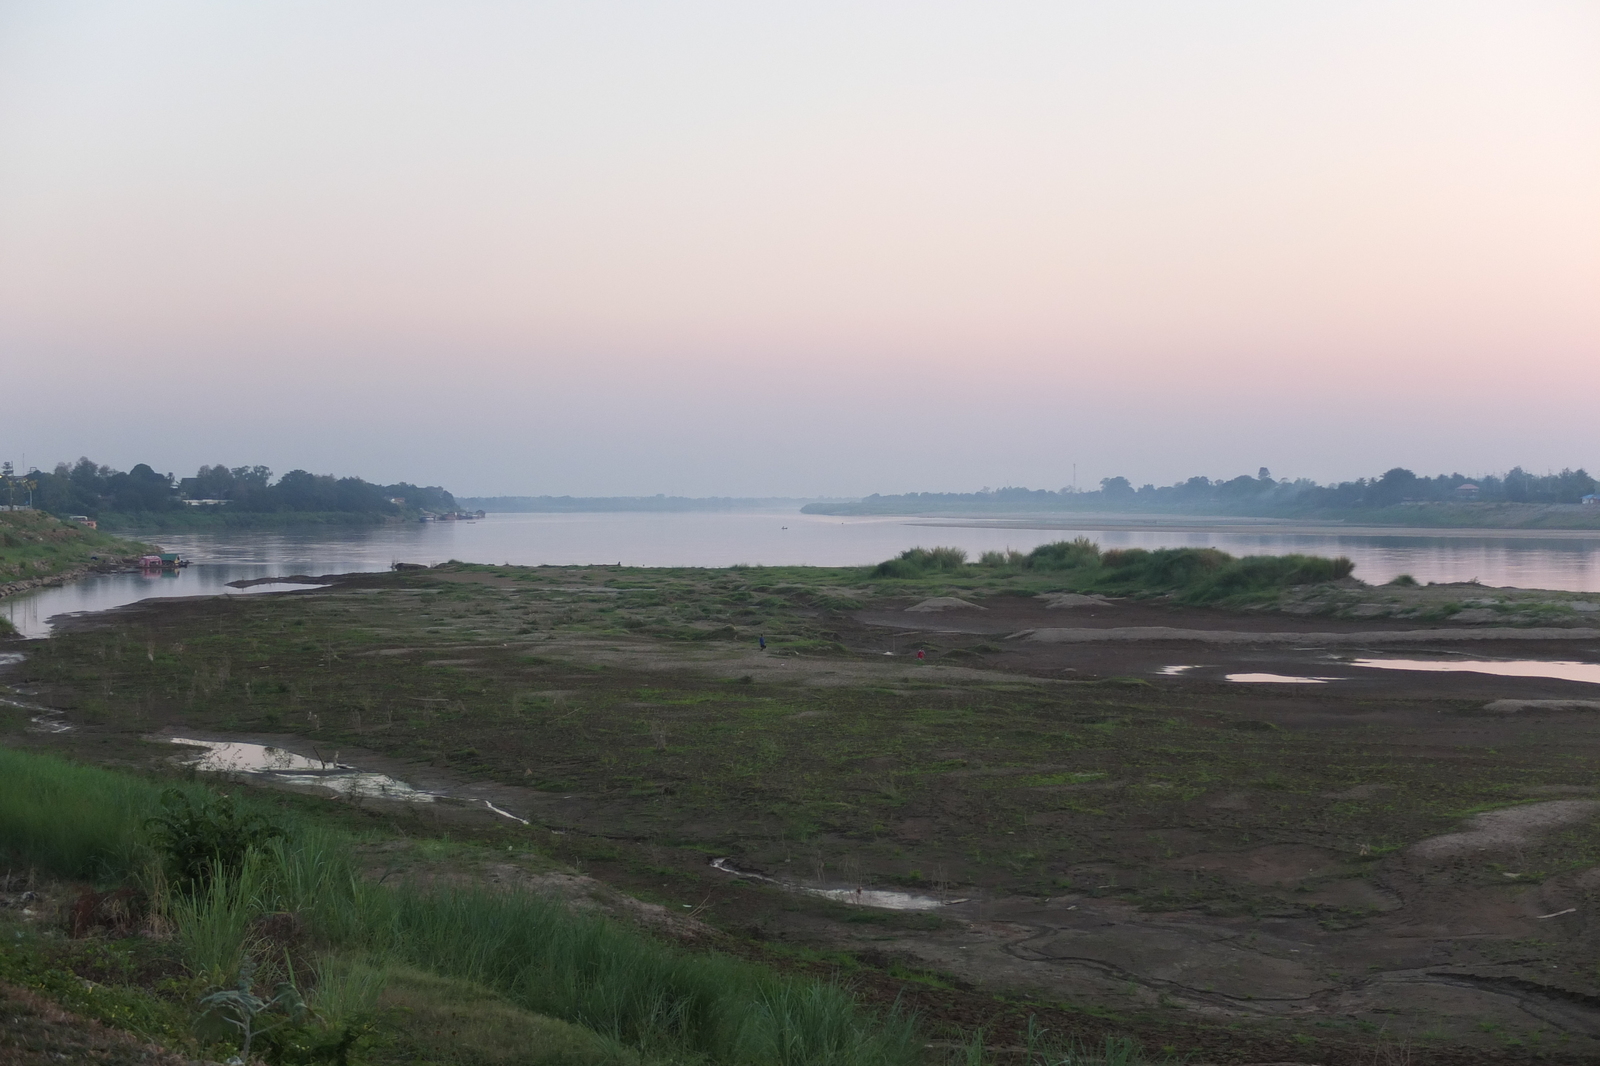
200	837
1206	575
1064	555
1122	558
1261	573
915	562
1405	581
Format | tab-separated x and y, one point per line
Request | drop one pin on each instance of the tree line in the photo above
1261	494
88	488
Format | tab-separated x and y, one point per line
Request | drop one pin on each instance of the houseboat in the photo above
163	561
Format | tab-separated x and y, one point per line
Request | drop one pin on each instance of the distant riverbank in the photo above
1244	526
1434	517
204	519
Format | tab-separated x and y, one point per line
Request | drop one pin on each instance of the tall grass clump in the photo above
1064	555
920	562
1009	558
636	990
1057	555
77	821
214	918
1206	575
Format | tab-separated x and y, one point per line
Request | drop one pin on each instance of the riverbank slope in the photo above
38	549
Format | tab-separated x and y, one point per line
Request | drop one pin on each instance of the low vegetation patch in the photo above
1190	575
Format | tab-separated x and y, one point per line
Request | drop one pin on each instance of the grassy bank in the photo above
629	993
37	545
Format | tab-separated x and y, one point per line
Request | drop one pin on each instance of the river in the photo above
1532	560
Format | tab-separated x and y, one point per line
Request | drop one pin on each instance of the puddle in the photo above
45	720
275	586
11	658
884	899
1563	671
1279	679
502	812
1174	671
230	757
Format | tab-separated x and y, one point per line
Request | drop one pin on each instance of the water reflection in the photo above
1278	679
882	898
233	757
1563	671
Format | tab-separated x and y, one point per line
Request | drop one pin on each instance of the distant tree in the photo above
1517	485
141	489
1116	488
1240	488
1393	487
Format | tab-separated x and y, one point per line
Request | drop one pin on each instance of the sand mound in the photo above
945	603
1052	600
1506	828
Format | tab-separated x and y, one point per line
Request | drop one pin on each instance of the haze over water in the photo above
825	249
770	539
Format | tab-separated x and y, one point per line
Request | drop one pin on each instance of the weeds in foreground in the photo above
201	836
213	920
607	977
239	1010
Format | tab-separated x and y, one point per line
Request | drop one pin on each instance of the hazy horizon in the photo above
709	249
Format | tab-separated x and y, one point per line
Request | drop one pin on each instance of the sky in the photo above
800	249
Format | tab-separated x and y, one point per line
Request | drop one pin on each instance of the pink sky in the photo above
820	248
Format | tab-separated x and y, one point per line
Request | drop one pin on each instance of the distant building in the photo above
85	520
1591	500
1469	491
398	501
205	503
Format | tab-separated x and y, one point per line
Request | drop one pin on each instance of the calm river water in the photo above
786	538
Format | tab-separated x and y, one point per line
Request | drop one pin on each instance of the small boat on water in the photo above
163	561
452	516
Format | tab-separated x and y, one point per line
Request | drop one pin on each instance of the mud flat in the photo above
1113	836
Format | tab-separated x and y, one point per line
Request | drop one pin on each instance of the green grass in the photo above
612	979
449	1020
34	544
75	820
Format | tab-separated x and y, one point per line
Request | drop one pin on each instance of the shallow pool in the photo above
1563	671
